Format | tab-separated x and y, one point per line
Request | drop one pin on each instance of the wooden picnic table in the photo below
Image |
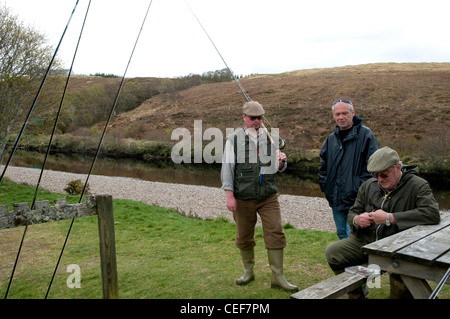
417	254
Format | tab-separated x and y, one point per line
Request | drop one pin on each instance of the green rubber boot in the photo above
248	259
276	264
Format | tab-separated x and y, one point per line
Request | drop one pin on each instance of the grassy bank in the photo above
160	254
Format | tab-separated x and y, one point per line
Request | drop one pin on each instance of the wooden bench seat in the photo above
331	288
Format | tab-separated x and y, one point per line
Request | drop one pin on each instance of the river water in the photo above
168	173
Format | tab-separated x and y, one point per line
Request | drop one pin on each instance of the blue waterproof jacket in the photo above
344	164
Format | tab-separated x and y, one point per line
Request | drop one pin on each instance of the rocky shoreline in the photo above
203	202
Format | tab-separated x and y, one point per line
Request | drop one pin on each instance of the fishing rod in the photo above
439	285
19	136
51	138
100	142
282	142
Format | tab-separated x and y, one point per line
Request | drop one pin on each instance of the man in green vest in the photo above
250	160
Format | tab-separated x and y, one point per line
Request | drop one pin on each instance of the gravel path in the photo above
204	202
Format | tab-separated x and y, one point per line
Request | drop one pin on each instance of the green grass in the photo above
160	254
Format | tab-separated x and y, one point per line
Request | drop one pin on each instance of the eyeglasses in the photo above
385	174
343	101
255	117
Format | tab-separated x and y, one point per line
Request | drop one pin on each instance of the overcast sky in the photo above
253	36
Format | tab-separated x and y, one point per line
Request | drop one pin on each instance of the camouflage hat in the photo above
253	108
382	159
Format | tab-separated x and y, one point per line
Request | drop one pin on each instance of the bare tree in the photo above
24	56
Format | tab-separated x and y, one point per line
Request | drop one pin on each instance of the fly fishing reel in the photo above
282	143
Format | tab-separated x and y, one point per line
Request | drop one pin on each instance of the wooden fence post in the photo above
107	246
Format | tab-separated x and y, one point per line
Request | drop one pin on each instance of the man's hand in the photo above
231	201
282	158
363	220
378	217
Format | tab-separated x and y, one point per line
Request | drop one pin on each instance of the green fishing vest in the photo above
249	183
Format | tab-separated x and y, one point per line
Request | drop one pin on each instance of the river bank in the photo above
303	163
302	212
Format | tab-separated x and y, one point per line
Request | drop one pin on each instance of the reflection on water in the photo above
180	174
123	167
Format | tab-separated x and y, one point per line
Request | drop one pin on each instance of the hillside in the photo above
407	106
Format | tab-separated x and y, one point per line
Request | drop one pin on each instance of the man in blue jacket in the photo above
343	159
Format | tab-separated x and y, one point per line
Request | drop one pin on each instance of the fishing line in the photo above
19	137
100	142
218	52
282	143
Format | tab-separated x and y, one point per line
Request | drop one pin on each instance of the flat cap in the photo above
382	159
253	108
